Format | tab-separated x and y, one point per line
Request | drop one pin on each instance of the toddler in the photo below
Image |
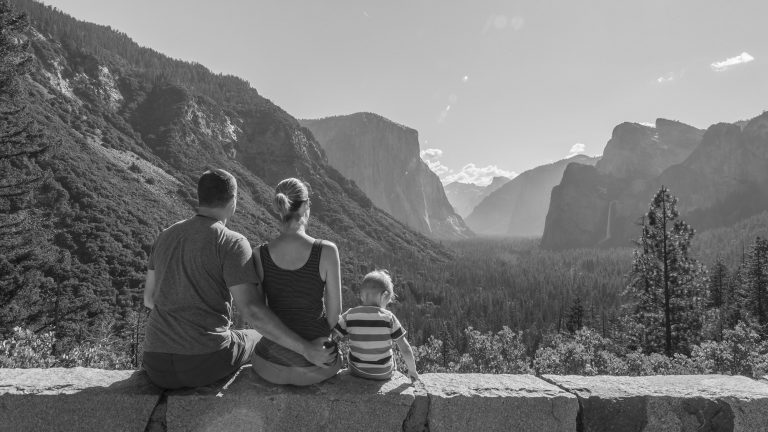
371	329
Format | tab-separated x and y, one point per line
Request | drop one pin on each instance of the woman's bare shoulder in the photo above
330	251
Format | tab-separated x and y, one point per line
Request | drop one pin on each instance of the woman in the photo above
301	279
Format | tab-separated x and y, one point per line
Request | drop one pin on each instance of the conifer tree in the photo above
718	285
21	146
754	278
665	281
575	316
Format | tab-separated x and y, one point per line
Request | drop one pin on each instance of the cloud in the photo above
431	154
432	158
500	22
481	176
671	76
577	148
443	114
438	168
470	173
726	64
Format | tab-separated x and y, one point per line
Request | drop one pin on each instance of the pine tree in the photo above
575	316
755	283
718	285
665	281
21	146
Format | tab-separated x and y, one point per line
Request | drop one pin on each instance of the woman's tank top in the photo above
296	297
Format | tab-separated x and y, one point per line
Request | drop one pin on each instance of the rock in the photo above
669	403
519	207
719	176
579	209
725	179
251	404
77	399
638	151
480	402
382	157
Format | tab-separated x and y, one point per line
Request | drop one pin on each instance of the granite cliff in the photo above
382	158
719	176
465	196
519	207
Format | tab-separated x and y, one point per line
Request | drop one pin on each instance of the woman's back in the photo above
302	285
295	294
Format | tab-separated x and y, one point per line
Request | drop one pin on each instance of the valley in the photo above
542	261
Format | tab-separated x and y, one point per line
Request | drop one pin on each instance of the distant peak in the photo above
364	116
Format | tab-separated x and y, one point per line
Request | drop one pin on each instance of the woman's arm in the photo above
150	289
257	262
331	272
248	299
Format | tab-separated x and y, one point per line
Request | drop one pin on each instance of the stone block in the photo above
482	402
76	399
248	403
669	403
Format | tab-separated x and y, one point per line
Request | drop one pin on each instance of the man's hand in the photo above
317	354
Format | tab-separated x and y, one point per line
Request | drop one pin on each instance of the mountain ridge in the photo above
131	143
518	208
464	197
719	176
383	159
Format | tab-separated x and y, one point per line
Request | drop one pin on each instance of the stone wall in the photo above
82	399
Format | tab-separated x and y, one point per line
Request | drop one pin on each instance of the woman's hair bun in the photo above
282	204
289	195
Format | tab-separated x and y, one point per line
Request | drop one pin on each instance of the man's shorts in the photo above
172	371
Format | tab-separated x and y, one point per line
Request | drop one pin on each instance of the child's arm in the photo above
339	330
410	360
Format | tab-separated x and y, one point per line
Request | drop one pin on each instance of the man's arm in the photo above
248	299
150	289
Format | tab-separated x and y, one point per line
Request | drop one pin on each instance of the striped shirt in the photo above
371	330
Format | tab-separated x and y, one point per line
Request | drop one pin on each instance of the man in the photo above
196	268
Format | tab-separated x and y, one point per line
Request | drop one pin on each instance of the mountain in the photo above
519	207
638	151
133	130
382	158
465	196
720	177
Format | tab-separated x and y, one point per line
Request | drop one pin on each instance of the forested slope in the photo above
131	131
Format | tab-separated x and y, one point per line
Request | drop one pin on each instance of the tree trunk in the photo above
667	323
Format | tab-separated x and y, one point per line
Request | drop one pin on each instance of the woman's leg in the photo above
293	375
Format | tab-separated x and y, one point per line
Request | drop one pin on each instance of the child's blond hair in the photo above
379	281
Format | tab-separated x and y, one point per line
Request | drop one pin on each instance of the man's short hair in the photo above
216	188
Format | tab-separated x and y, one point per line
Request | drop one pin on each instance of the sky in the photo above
493	87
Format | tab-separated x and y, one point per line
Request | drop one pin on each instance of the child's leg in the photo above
382	375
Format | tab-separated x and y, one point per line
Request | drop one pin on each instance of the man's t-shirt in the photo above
195	262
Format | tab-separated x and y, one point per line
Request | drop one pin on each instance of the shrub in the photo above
26	349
